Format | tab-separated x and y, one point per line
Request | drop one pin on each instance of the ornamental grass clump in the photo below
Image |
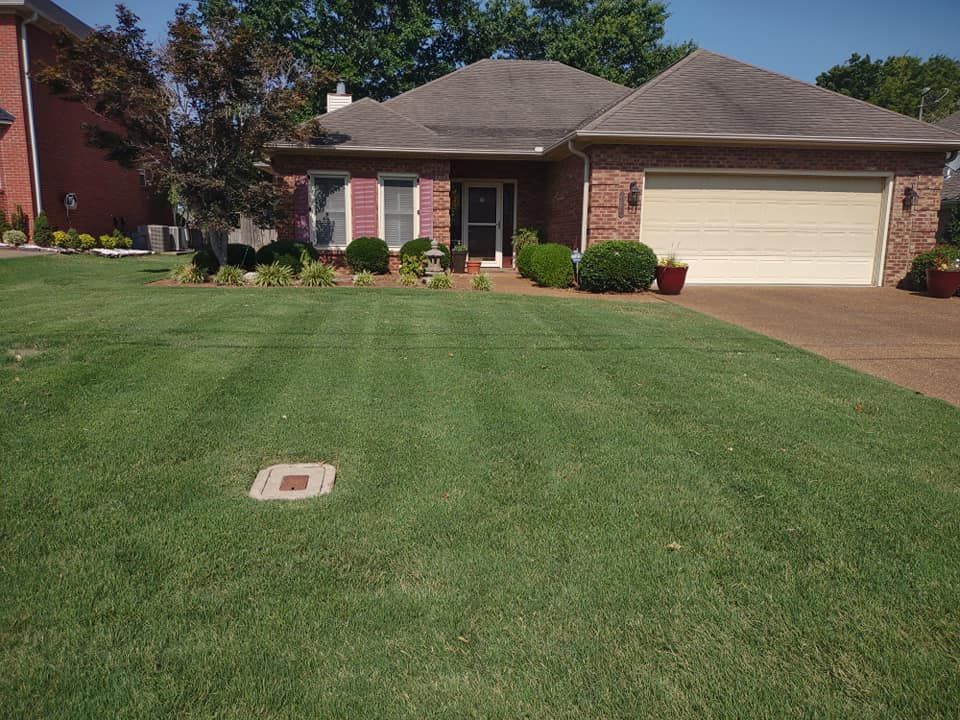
229	275
481	282
364	279
188	273
318	274
276	274
408	279
440	281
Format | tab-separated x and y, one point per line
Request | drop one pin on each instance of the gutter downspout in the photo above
34	158
586	192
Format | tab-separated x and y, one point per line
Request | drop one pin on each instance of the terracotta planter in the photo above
473	267
942	283
670	280
458	262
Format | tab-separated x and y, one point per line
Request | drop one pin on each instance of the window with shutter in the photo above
328	195
399	210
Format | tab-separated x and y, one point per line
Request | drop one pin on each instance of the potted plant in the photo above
671	275
943	279
458	258
473	266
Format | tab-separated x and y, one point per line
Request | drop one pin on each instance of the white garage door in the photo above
765	228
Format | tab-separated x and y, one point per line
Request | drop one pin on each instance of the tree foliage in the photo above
382	48
898	82
195	113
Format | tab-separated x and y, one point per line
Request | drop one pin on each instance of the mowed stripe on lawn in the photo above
512	471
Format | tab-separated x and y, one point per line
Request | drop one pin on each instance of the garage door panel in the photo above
765	228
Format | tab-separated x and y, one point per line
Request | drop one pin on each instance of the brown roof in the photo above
49	12
706	95
525	107
951	185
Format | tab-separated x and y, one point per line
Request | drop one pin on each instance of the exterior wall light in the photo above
910	198
634	195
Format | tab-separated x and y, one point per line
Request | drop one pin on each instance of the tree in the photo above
898	82
382	48
194	114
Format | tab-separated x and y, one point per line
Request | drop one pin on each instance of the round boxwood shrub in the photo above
286	253
617	266
14	237
206	261
368	254
525	260
419	246
551	266
926	260
242	256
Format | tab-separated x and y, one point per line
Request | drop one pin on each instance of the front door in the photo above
482	223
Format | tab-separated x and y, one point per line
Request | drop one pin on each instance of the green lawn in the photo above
511	472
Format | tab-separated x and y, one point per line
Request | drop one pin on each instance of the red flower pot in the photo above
473	267
942	283
670	280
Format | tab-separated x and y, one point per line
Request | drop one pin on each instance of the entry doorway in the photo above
488	220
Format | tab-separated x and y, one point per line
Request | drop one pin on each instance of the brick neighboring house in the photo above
950	202
43	154
750	176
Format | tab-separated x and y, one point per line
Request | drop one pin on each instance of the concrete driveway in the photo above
910	339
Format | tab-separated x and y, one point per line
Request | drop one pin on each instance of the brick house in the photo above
43	154
750	176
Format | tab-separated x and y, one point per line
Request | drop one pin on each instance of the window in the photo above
329	209
399	205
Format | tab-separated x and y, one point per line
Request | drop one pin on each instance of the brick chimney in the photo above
341	98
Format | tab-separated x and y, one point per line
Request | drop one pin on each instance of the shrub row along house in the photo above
45	163
750	176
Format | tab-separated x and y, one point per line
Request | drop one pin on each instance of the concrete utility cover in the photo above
293	482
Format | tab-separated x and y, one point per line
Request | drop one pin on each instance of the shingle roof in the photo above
524	107
951	185
49	11
709	95
5	117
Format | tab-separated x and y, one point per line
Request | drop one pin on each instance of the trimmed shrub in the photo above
364	279
14	237
276	274
291	254
550	265
440	281
87	241
188	273
206	261
368	254
241	256
926	260
318	274
525	260
523	237
108	242
419	246
60	239
481	282
73	239
229	275
617	266
42	234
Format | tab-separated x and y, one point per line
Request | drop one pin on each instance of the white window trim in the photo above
416	201
347	199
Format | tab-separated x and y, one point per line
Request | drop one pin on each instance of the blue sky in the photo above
800	38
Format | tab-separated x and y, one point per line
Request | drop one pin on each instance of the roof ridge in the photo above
814	86
407	119
586	124
436	80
